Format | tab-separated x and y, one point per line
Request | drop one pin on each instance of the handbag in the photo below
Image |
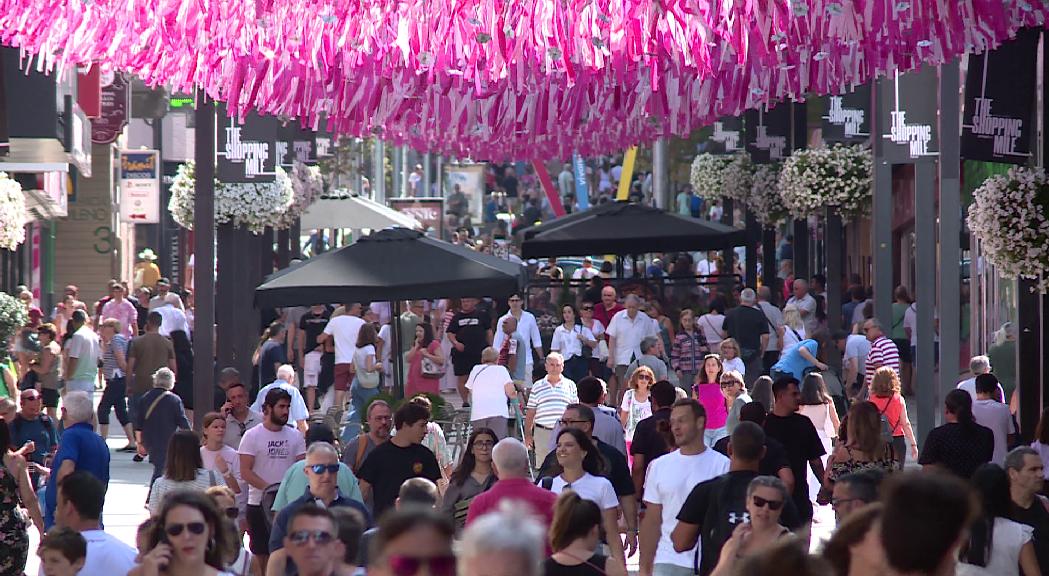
368	379
431	369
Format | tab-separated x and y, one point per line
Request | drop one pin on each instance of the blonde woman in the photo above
793	327
636	405
885	395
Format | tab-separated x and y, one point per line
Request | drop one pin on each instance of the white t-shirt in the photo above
567	342
996	416
226	453
790	339
807	306
774	317
629	333
344	329
734	364
711	324
970	387
1008	538
488	398
384	335
706	267
857	346
527	327
360	357
297	410
106	554
910	322
1043	453
274	452
668	483
583	273
173	319
593	488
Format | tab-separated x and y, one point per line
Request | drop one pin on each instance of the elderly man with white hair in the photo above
286	380
504	543
514	487
81	449
625	332
979	365
749	326
547	401
161	413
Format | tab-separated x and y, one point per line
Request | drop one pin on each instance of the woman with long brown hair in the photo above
575	535
188	537
474	475
865	448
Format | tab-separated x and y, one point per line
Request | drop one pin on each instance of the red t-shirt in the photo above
605	316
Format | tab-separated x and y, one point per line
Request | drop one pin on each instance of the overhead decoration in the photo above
838	177
13	214
526	78
722	176
765	200
254	206
1010	217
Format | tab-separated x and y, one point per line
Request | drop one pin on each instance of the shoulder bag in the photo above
367	379
432	369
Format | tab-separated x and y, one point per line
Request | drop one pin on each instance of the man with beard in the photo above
380	421
266	452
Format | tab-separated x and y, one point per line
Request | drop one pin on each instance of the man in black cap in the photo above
165	296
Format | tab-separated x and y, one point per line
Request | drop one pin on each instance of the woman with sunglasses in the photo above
188	539
183	469
473	476
766	496
736	397
579	468
707	390
575	535
587	320
238	562
409	540
636	405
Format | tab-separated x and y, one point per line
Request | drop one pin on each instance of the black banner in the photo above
907	116
998	123
246	152
768	134
296	144
726	136
847	119
5	140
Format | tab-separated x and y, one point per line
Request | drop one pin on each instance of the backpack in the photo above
49	425
886	428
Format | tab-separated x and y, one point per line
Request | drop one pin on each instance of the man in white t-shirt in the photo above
173	319
625	332
805	304
708	266
854	361
527	327
586	271
989	412
979	365
266	452
79	507
343	330
286	381
668	483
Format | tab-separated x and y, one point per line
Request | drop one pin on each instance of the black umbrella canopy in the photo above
393	264
624	228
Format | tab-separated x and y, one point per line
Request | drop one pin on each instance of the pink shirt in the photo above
709	395
125	312
540	501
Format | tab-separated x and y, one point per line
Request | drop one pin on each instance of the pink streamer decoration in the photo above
503	79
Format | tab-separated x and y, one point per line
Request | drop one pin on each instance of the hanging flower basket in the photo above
840	176
722	176
1010	217
13	316
765	200
255	206
13	215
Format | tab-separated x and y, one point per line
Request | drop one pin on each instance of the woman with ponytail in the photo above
961	445
575	536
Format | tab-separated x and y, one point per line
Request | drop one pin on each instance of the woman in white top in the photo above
218	456
712	323
730	359
186	538
793	327
636	404
366	376
569	339
490	386
183	470
817	406
580	462
997	546
586	318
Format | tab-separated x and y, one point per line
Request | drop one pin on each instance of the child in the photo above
730	359
62	552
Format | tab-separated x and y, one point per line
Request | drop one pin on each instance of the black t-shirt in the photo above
471	329
648	442
312	327
1038	518
775	455
271	354
958	447
617	472
717	506
389	465
802	443
746	325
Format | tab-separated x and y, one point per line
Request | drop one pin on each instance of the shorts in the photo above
311	369
463	363
259	543
49	397
903	346
343	376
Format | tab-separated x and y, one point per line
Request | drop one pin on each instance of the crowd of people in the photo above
698	432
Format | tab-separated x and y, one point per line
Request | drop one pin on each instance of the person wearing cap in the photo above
165	296
146	273
295	482
83	351
586	271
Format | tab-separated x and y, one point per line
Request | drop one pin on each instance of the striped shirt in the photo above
109	361
883	353
550	400
686	354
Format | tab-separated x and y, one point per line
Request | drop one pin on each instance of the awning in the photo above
35	155
354	212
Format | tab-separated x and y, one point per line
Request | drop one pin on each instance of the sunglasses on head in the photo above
174	530
322	468
301	537
410	565
772	504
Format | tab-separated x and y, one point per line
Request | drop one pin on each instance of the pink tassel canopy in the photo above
499	79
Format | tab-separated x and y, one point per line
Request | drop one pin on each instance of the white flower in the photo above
1009	218
13	316
13	215
839	176
722	176
765	200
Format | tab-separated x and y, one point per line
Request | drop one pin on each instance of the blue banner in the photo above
582	193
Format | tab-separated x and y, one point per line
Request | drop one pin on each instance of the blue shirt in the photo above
793	363
88	451
41	430
280	522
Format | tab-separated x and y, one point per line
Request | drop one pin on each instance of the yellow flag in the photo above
625	176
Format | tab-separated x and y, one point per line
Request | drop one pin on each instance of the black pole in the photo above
832	244
395	349
204	251
753	238
768	262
